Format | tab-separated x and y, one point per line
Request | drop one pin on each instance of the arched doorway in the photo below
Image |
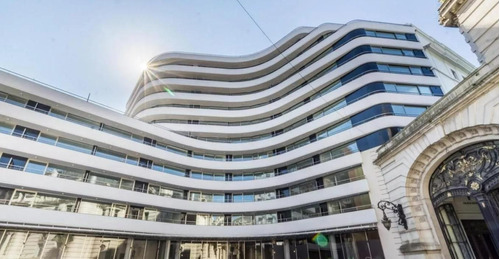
464	193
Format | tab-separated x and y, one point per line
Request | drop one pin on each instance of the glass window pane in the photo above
196	175
248	197
387	35
49	202
6	128
58	114
17	163
376	49
408	52
116	132
24	199
399	69
414	111
103	180
416	71
424	90
400	36
110	154
36	167
16	100
65	172
390	87
390	51
382	67
12	243
407	89
195	196
73	145
47	139
237	197
97	208
126	184
54	246
398	109
174	171
218	198
83	121
132	160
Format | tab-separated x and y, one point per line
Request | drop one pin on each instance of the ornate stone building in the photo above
443	167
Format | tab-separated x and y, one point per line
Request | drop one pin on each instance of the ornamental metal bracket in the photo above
396	209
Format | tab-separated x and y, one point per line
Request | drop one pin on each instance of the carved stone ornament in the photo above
465	172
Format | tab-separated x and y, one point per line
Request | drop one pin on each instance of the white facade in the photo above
275	146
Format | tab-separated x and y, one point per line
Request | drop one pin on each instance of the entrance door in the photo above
480	239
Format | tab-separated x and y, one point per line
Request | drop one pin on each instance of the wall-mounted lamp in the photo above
397	209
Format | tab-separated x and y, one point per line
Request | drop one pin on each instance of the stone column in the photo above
166	249
286	249
489	215
333	246
128	249
178	250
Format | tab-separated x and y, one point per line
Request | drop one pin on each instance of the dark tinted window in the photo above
411	37
363	69
365	90
427	71
418	53
13	162
371	112
349	36
353	53
436	90
374	139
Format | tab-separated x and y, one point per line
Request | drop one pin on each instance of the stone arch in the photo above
420	207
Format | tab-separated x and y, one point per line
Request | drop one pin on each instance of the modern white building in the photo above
265	156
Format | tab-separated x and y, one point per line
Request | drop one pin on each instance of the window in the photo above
65	172
50	202
36	106
416	71
399	69
110	154
36	167
145	163
23	198
5	128
83	121
390	51
455	75
386	35
15	100
75	146
414	110
13	162
407	89
97	208
104	180
47	139
424	90
116	132
24	132
196	175
400	36
408	52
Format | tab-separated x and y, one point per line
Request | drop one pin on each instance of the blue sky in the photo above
98	47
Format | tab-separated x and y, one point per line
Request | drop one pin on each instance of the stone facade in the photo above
465	116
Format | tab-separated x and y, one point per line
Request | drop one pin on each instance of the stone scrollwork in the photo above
465	172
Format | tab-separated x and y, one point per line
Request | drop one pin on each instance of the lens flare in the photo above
320	240
168	91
